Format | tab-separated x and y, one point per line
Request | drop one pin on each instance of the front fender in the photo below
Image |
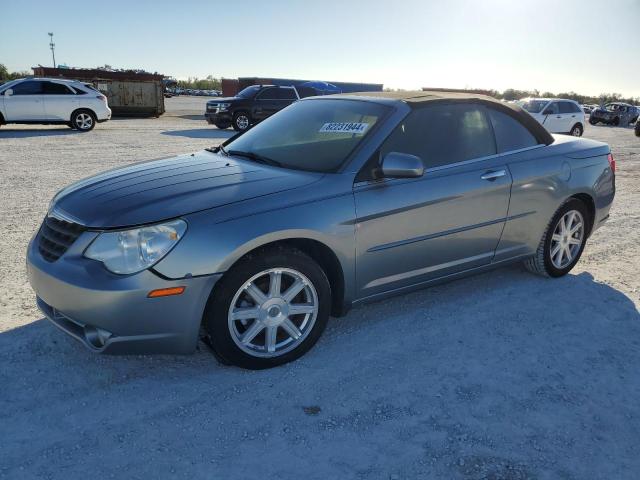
213	245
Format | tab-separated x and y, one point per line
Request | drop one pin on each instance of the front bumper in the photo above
111	313
602	117
219	117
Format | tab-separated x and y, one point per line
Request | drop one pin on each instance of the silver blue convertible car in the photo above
329	203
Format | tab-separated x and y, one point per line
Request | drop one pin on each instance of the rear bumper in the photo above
103	115
111	313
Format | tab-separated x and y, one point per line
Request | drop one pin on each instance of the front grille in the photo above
56	236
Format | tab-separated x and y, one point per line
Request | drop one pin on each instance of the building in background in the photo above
232	86
129	93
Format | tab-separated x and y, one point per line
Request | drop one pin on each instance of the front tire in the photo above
577	130
563	241
593	121
269	309
83	120
616	121
241	121
222	126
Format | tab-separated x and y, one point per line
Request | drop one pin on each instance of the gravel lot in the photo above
499	376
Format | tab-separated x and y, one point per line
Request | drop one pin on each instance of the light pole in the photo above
52	46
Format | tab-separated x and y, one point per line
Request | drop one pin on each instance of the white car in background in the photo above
557	115
52	101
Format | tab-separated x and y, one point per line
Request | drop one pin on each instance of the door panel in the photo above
26	102
553	121
59	101
24	107
409	231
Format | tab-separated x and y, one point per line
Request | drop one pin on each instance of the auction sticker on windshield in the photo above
344	127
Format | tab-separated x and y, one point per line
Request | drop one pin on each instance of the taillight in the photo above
612	163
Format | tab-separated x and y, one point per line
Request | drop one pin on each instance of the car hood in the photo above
223	99
157	190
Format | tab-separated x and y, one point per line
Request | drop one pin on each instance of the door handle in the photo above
491	176
558	116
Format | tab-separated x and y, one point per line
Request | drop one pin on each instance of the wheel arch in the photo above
322	254
590	204
82	109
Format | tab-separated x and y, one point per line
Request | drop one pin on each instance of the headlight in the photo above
223	106
131	251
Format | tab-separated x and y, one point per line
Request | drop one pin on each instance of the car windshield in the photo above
310	135
248	92
534	106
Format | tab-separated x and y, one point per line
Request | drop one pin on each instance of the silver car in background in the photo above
329	203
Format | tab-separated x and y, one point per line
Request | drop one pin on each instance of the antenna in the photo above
52	46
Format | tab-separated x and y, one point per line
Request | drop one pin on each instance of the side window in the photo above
576	108
31	87
567	107
510	133
52	88
268	94
552	109
286	94
443	134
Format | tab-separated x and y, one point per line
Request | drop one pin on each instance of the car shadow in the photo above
211	132
503	372
192	117
41	132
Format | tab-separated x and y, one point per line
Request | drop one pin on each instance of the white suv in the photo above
557	115
53	101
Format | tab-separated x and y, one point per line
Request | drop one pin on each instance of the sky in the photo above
586	46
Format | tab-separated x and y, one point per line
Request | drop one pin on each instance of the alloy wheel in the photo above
273	312
242	122
567	239
84	121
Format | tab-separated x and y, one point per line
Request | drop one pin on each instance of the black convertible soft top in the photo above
422	98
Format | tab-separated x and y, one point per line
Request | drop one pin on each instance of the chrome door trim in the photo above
493	175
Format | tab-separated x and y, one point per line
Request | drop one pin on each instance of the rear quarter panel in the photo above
544	179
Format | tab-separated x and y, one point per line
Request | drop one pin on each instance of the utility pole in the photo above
52	46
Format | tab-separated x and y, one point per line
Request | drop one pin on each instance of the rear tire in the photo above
83	120
616	121
577	130
223	126
593	121
559	250
249	319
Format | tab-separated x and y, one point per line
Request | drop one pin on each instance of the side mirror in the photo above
402	165
8	92
547	111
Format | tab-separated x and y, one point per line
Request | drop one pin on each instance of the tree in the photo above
4	73
208	83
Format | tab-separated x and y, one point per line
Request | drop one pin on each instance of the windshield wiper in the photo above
256	158
217	149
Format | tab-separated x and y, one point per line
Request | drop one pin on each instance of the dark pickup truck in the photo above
249	106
